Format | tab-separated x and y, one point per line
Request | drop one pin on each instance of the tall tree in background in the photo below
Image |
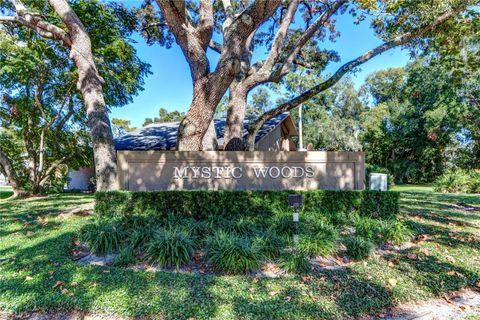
103	39
165	116
121	127
243	26
418	127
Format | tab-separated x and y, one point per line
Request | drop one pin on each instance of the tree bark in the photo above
210	142
237	107
209	87
7	169
91	85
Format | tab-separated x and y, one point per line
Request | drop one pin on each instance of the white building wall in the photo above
80	179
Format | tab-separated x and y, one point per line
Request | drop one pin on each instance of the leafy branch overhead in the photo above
294	35
62	68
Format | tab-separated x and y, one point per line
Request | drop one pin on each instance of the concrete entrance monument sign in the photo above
258	170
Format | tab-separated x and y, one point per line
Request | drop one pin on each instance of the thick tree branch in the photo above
192	44
33	21
307	35
8	20
8	170
205	26
215	46
53	167
282	32
295	102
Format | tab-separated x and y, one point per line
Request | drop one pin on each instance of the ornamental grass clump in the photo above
170	247
395	231
269	245
102	237
295	262
368	228
358	248
125	257
232	253
320	239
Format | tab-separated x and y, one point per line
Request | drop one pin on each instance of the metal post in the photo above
300	129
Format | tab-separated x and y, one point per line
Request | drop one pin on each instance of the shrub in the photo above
102	237
232	253
282	224
125	257
269	245
466	181
295	262
358	248
395	231
317	245
368	228
170	247
233	204
320	238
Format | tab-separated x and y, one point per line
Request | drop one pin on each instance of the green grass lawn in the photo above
5	192
35	243
413	187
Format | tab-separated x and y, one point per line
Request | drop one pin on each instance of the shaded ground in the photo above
36	273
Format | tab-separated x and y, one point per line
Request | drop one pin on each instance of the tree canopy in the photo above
42	109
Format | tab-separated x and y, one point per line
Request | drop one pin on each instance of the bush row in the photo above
241	244
465	181
201	204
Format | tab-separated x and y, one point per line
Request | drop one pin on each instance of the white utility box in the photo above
379	181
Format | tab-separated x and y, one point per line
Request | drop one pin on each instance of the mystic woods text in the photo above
226	172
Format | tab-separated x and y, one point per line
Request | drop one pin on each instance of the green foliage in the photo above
296	262
269	245
395	231
379	231
165	116
232	253
43	124
319	238
465	181
368	228
102	237
170	247
332	119
358	248
125	257
317	245
257	205
121	127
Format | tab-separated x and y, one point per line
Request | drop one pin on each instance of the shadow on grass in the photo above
29	275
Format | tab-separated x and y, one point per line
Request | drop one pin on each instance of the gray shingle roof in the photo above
163	136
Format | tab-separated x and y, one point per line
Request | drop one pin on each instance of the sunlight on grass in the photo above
413	188
34	257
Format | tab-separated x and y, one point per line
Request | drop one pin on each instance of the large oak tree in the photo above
293	33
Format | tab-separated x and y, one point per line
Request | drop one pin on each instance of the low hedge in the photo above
201	204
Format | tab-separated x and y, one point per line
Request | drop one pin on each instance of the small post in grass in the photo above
295	201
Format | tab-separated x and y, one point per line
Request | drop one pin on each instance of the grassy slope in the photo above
32	262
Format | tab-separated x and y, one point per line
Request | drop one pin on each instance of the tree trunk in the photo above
237	108
210	142
7	169
91	85
206	96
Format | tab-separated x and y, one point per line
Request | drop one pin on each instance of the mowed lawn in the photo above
37	274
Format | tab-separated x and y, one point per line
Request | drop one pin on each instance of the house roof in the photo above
163	136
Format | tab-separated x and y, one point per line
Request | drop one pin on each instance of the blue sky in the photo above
170	85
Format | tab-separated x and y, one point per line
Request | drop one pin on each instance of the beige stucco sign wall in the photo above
258	170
